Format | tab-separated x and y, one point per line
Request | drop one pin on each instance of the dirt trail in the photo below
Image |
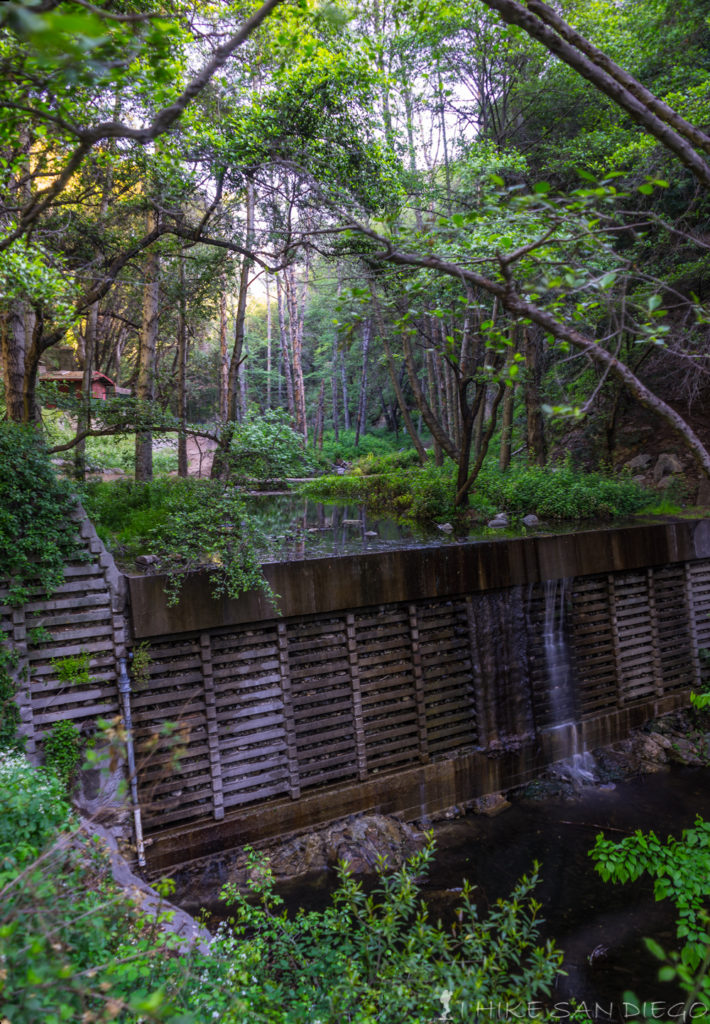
200	455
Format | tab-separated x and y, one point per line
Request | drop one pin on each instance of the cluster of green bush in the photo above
185	524
74	948
386	486
343	449
397	485
37	534
559	492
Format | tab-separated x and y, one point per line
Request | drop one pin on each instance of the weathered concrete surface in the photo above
413	794
324	585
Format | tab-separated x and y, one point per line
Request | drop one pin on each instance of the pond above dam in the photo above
291	527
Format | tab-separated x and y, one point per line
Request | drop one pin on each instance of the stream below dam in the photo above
599	926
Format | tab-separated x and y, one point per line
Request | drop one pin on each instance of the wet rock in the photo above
666	465
499	521
684	751
491	805
145	560
371	533
445	527
639	463
651	752
360	841
363	842
530	520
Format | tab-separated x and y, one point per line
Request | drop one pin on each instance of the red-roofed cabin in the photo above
70	382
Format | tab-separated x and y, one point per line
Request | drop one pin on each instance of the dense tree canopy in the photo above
403	212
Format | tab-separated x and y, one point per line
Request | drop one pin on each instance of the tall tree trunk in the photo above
268	345
285	349
83	421
362	401
146	354
334	388
435	404
411	429
14	346
182	374
223	353
242	378
320	417
441	440
462	493
344	384
233	395
537	451
296	308
506	435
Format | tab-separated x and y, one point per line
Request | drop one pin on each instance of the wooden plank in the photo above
289	719
419	696
212	726
356	707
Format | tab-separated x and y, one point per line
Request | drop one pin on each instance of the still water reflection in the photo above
293	527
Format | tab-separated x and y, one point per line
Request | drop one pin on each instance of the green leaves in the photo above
375	957
37	534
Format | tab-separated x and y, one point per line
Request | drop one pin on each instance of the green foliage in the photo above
38	635
266	447
140	665
33	806
73	670
560	492
412	494
375	442
37	535
73	946
681	872
187	524
375	958
396	485
9	711
62	752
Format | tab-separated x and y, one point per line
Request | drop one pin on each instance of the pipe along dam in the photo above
405	681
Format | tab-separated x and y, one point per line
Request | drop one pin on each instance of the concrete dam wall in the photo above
405	681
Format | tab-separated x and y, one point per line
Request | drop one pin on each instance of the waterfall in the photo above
578	764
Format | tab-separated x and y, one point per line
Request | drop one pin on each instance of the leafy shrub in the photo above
371	464
186	523
419	494
266	447
376	442
73	670
560	492
33	807
62	752
209	527
73	946
680	869
374	959
9	711
37	535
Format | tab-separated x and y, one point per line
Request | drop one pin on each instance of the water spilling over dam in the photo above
406	681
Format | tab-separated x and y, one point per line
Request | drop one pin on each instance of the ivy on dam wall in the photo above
37	534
